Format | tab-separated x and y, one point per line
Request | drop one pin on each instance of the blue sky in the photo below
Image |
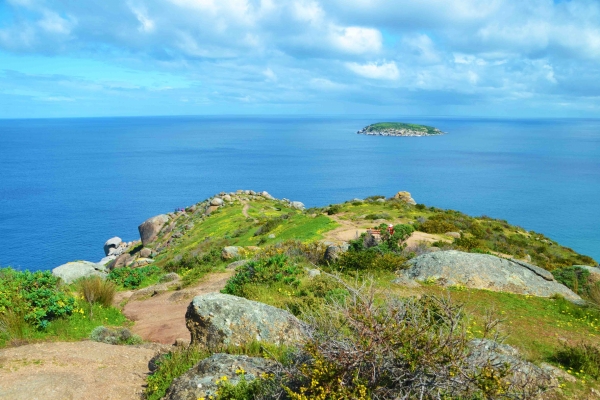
534	58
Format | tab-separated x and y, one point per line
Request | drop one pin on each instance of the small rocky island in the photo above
399	129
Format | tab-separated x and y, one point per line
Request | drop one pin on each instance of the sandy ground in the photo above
161	318
73	370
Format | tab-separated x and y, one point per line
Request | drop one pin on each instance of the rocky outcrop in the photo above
72	271
297	205
217	319
483	271
201	381
405	197
217	201
230	252
111	245
151	227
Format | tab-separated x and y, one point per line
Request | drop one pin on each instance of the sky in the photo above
488	58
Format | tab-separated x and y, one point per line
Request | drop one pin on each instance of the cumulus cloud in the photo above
274	52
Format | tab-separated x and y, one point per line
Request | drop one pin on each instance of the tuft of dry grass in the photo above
96	290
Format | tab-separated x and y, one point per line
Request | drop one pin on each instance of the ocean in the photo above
67	185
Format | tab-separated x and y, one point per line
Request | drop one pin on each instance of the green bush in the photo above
36	296
132	278
334	209
274	269
369	259
382	215
581	358
467	243
575	278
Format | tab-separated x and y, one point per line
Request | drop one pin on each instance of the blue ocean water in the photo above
67	185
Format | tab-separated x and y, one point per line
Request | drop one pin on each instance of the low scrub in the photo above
133	278
575	278
97	290
579	359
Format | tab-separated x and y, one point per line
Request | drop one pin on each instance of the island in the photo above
399	129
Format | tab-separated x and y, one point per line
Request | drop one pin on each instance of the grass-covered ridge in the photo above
391	127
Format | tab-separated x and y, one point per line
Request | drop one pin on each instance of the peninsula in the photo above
399	129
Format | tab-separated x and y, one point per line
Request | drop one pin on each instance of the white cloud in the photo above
384	71
270	75
357	40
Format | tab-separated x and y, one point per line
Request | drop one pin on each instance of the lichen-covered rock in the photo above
72	271
333	252
217	319
200	381
405	197
483	271
230	252
150	228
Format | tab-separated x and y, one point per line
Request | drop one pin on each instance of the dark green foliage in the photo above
262	388
132	278
575	278
188	261
382	215
268	226
369	259
420	207
334	209
36	296
373	198
582	357
467	243
264	271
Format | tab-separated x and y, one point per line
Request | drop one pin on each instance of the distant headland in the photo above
399	129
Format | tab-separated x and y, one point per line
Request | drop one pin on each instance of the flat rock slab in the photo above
73	370
483	271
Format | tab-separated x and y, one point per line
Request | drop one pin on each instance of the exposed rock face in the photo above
482	271
454	235
333	252
230	252
297	205
111	243
406	197
151	227
217	319
72	271
120	261
200	381
370	241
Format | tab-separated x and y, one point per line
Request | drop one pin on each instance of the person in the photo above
391	229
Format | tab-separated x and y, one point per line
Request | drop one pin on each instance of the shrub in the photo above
382	215
582	357
96	290
114	336
263	271
334	209
132	278
36	296
467	243
369	259
575	278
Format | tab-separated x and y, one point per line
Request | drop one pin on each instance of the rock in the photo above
370	241
557	373
106	260
72	271
236	264
145	252
313	273
226	198
487	352
120	261
483	271
200	381
252	249
333	252
267	196
380	200
271	236
454	235
404	281
527	258
405	197
358	201
170	277
230	252
297	205
217	319
217	201
140	262
111	243
211	209
151	227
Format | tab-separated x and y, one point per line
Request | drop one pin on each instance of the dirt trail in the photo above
245	211
73	370
161	318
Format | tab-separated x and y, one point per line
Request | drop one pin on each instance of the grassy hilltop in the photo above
284	244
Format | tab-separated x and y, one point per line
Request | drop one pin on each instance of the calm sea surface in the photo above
67	185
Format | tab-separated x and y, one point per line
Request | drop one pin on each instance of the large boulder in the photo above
151	227
483	271
217	201
405	197
297	205
200	381
111	243
217	319
72	271
230	252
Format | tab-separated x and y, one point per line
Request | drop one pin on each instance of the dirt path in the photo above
161	318
73	370
245	211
